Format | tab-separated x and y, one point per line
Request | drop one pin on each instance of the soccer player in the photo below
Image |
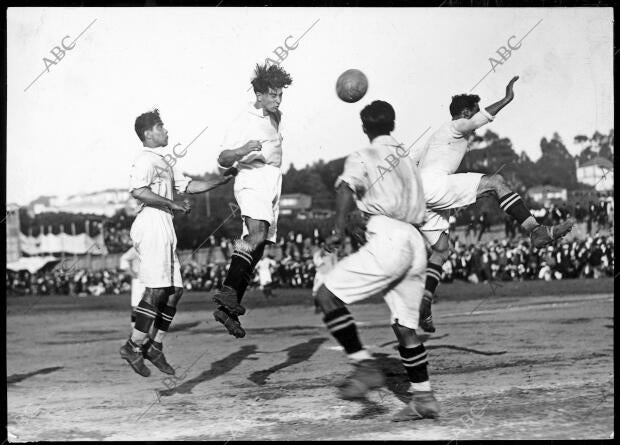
391	263
130	262
264	268
444	190
152	182
253	147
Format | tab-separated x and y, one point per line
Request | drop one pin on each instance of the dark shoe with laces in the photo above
423	405
230	322
155	354
365	376
227	297
543	235
133	354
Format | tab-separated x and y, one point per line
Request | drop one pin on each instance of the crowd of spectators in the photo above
515	261
505	260
79	282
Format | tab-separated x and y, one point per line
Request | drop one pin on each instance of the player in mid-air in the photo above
153	182
438	161
253	146
391	263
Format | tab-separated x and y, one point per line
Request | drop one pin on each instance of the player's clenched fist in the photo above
251	146
181	206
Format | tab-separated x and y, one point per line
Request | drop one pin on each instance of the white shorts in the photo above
436	222
392	263
152	234
137	290
257	192
443	192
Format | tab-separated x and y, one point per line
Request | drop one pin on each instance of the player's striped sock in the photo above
133	317
433	276
257	254
145	315
512	204
415	361
239	271
162	322
342	326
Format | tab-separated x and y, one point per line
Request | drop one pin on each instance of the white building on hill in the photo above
106	202
598	172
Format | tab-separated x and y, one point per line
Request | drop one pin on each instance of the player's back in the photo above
444	150
387	181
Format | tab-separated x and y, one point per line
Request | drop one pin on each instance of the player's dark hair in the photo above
462	102
146	121
266	77
378	118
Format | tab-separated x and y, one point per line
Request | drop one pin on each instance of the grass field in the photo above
527	360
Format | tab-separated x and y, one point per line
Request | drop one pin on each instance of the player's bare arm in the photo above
228	157
151	199
471	123
345	202
204	186
495	108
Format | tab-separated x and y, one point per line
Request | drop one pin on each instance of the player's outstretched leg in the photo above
146	312
434	270
153	348
423	404
366	374
511	203
247	254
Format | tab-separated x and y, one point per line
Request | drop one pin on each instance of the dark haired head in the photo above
147	121
463	102
266	77
378	118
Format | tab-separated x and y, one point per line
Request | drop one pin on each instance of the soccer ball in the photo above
351	85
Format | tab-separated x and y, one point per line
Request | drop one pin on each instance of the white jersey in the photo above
446	147
252	124
385	181
150	170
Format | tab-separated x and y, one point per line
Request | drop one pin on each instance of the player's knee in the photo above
175	297
441	251
155	296
327	301
407	337
256	239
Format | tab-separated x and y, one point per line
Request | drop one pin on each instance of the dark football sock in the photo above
433	276
146	313
257	254
514	206
162	322
342	326
240	267
415	361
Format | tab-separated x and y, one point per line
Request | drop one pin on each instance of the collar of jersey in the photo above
385	139
258	111
152	150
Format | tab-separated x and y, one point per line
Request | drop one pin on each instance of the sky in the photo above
70	124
